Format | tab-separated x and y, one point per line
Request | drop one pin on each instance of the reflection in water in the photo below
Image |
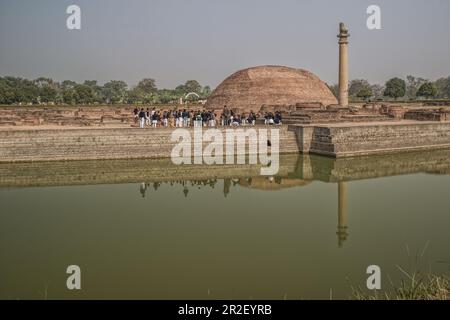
262	183
342	213
193	230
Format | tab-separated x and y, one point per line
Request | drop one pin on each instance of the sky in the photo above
207	40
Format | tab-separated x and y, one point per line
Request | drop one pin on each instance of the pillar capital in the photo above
343	31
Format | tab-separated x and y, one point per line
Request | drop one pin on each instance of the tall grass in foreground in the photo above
430	287
416	285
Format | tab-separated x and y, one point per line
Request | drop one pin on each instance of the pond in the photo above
147	229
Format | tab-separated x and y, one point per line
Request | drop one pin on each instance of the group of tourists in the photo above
174	118
201	118
270	118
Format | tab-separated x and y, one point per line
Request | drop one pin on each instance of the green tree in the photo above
377	91
443	88
168	96
47	94
7	95
96	90
190	86
395	88
365	93
206	91
356	86
427	90
67	93
83	94
134	96
412	85
114	91
68	84
147	85
145	91
47	89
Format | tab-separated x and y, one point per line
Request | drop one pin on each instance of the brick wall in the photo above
98	143
356	140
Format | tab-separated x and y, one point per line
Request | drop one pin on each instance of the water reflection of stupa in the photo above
295	170
272	183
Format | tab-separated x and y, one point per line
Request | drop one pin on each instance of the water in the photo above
146	229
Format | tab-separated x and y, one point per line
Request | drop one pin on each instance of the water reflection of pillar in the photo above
226	187
342	213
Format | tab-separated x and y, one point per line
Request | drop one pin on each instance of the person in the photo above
199	119
165	120
180	118
154	120
268	118
252	118
236	120
147	117
136	114
222	119
171	119
190	117
175	116
142	118
277	119
143	188
204	118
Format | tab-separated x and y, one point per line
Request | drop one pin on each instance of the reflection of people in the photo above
143	188
226	186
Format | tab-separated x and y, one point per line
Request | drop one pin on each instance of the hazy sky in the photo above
176	40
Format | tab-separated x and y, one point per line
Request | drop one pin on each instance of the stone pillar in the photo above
342	231
343	65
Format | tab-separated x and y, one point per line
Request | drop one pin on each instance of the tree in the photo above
168	96
427	90
47	94
377	91
365	93
145	91
412	85
395	88
47	89
18	90
189	86
6	92
206	91
147	85
134	96
356	86
114	91
68	84
83	94
443	88
96	90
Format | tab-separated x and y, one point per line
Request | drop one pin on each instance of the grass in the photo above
414	287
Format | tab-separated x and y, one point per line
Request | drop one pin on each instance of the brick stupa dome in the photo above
251	88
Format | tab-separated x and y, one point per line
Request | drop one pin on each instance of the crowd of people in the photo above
200	118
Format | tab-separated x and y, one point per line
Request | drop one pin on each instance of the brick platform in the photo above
357	139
